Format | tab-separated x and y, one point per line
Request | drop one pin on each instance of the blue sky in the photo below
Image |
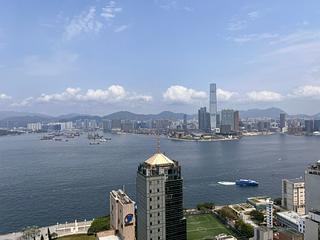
147	56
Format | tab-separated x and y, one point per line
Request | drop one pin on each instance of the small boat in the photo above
246	183
94	143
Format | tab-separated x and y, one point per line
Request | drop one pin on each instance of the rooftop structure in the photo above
259	202
292	220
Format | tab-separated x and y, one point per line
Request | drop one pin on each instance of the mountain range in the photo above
20	119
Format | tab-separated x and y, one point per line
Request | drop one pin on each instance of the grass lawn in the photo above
78	237
204	227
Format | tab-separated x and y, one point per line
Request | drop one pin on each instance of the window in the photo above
158	198
158	214
158	190
158	206
150	199
150	223
150	215
150	191
150	207
158	221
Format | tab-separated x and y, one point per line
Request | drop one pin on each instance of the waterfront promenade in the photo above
61	230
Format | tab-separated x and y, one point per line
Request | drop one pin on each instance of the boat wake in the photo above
227	183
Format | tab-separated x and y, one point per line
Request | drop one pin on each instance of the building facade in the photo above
213	106
227	118
312	231
269	213
312	187
293	195
159	197
204	120
122	215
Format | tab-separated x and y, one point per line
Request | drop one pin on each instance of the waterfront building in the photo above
293	220
293	195
316	125
122	215
116	125
262	233
159	194
260	202
312	187
308	126
236	119
106	125
312	231
269	213
213	106
204	120
34	127
282	121
227	118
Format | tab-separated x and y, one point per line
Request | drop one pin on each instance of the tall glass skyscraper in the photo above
159	197
213	106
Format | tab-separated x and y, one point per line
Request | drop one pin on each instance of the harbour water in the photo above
45	182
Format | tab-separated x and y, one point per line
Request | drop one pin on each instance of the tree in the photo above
206	206
228	213
257	216
244	228
277	201
99	224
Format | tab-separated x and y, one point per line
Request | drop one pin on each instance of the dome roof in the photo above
159	159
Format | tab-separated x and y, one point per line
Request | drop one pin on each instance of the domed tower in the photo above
159	195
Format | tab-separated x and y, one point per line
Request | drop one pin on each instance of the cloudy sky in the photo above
152	55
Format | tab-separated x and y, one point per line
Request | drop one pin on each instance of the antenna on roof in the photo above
123	188
158	143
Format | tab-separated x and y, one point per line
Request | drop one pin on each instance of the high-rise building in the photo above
236	118
185	122
282	120
316	125
312	187
269	212
159	197
308	126
293	195
122	215
204	120
213	106
262	233
227	118
312	231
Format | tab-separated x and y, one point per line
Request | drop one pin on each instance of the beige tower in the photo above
122	216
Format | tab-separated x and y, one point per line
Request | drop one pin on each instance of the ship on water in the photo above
246	183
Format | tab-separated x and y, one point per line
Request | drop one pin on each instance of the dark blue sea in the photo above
45	182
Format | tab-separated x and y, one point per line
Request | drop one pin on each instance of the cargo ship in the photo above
246	183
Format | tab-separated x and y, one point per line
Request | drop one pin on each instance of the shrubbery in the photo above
99	224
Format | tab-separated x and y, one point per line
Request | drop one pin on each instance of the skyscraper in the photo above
312	187
228	118
213	106
204	120
236	118
293	195
282	120
159	197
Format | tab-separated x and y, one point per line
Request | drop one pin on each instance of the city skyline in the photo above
95	55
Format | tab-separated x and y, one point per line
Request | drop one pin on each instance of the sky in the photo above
146	56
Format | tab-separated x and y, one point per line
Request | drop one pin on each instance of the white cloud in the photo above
25	102
307	91
181	94
4	96
253	37
254	15
264	96
110	11
237	25
224	95
121	28
86	22
113	94
55	65
297	37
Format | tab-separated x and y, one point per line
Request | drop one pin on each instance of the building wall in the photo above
213	106
293	196
312	191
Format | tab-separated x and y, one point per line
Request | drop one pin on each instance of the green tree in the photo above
244	228
257	216
228	213
206	206
99	224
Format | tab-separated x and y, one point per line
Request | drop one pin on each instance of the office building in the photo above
312	231
308	126
204	120
269	213
316	125
236	119
293	195
227	119
159	197
262	233
292	220
122	215
185	122
213	106
282	121
312	187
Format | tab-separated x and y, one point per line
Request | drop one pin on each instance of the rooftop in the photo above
121	196
296	180
159	159
291	216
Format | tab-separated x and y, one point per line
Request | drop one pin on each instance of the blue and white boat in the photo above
246	183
